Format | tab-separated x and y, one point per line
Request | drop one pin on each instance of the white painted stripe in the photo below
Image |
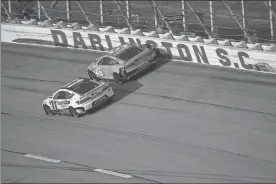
42	158
113	173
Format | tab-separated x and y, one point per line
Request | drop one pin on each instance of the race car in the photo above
77	97
123	62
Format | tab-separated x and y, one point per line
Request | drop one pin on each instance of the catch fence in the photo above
252	21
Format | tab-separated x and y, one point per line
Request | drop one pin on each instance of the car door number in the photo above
53	104
99	71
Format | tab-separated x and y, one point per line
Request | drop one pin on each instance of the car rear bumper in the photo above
90	104
140	68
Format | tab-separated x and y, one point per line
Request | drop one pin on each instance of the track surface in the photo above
179	123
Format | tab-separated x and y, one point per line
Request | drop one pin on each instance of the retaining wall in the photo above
186	48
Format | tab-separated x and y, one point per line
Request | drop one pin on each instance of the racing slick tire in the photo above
111	99
157	52
147	46
92	76
153	66
73	112
118	78
48	110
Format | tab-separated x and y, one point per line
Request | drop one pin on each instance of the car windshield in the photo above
129	53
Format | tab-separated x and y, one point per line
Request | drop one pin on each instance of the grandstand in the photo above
252	21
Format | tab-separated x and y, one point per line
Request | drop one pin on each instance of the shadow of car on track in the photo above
123	90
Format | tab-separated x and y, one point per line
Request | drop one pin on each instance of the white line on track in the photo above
113	173
42	158
96	170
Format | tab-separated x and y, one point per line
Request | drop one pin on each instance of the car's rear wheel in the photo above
73	112
147	46
92	75
48	110
111	98
153	66
118	78
157	51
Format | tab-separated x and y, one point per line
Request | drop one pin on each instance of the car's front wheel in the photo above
48	110
74	112
92	75
118	78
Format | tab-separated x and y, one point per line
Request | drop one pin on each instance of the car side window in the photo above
113	62
68	95
104	61
62	95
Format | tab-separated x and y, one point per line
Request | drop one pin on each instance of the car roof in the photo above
118	50
81	85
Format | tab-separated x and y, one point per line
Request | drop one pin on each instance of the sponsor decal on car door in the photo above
59	104
63	104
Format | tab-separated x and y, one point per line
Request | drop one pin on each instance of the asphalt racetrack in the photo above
178	123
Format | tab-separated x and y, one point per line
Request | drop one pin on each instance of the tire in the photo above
157	51
48	110
73	112
112	98
92	76
147	46
153	66
118	78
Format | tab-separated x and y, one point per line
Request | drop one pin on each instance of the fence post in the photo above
238	22
6	11
212	16
68	9
123	13
9	6
161	15
155	12
200	19
38	10
271	20
244	15
128	8
185	28
155	16
101	12
83	12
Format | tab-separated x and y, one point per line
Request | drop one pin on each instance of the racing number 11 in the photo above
54	104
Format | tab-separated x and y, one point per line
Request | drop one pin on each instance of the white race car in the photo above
77	97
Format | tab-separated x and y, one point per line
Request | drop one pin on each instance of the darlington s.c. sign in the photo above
181	50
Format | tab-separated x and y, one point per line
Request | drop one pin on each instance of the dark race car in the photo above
123	62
